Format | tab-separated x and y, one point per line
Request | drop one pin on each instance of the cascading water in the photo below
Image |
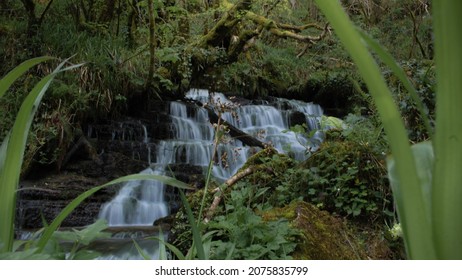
141	203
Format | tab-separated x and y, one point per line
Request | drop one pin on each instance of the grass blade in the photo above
416	226
424	158
14	74
172	248
3	149
162	249
140	250
76	202
399	73
447	191
197	240
10	172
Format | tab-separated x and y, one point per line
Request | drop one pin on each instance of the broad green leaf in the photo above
332	123
86	255
447	177
92	232
25	255
424	157
65	236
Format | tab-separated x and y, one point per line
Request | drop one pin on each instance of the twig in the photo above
219	191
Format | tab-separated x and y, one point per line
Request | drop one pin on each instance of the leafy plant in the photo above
11	159
243	234
428	195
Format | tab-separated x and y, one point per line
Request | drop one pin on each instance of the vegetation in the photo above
426	190
138	52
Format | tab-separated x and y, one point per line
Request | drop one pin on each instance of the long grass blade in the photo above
3	149
162	248
9	176
172	248
388	59
140	250
416	226
14	74
76	202
197	240
447	191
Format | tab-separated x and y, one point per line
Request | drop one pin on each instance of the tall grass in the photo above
428	193
12	153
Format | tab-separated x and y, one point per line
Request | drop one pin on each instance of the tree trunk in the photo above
152	45
32	20
108	13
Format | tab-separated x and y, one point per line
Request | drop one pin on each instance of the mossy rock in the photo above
349	178
269	168
323	237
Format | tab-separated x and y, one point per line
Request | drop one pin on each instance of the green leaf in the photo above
418	224
25	255
16	144
92	232
162	248
447	177
171	247
13	75
140	250
424	158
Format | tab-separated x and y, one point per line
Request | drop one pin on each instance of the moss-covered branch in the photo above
288	31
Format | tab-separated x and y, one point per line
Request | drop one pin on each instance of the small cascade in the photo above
137	203
141	203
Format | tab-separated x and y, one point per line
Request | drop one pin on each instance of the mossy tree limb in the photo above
219	191
236	31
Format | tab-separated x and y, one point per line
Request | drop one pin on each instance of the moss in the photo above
349	178
323	237
270	168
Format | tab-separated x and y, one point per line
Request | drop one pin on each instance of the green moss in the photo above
349	178
323	237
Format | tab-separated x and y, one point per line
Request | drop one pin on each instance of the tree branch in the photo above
219	191
284	30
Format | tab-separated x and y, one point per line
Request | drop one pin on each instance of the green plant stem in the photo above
417	230
447	179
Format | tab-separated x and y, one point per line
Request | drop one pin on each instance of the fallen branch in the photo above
235	132
219	191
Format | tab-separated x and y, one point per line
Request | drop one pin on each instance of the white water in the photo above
141	203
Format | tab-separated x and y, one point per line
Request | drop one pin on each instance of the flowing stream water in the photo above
140	203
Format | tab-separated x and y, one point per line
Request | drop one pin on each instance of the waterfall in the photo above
142	202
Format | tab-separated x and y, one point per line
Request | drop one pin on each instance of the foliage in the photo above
11	159
243	234
349	179
427	192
